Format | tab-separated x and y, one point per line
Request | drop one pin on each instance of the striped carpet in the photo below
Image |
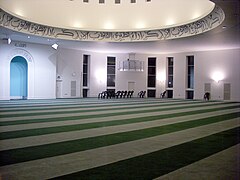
119	139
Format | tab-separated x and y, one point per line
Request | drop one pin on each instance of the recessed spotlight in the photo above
28	37
224	27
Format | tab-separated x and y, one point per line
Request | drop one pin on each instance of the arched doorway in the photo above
18	78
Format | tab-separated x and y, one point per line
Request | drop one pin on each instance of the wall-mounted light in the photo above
55	46
9	40
101	75
161	77
217	76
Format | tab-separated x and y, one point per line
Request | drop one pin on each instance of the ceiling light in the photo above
140	25
108	25
55	46
169	22
9	40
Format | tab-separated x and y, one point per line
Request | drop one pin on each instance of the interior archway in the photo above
18	78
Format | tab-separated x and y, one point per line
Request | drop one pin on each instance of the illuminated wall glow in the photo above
101	75
217	76
161	77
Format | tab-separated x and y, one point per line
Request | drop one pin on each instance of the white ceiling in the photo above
92	16
217	39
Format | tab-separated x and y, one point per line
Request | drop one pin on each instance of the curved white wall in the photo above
68	64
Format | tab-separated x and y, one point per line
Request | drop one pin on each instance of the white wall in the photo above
41	70
68	64
226	62
69	68
205	64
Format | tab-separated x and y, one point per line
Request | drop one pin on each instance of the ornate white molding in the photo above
211	21
20	52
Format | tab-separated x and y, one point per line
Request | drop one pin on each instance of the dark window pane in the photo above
111	80
151	93
111	60
190	60
151	81
152	70
85	80
170	81
85	59
189	94
170	61
169	93
85	69
110	69
170	70
85	92
190	82
190	70
151	61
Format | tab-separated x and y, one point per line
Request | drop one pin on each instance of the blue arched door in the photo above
18	78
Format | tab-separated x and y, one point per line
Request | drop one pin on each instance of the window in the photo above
85	1
85	70
117	1
170	72
152	72
190	72
111	68
151	93
101	1
133	1
190	77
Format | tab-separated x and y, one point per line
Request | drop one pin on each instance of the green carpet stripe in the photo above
43	151
54	119
77	127
161	162
80	106
89	110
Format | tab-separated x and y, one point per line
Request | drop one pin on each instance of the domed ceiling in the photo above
111	20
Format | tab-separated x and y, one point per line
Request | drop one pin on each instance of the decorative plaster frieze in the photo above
211	21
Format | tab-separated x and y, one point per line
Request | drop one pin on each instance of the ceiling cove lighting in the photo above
55	46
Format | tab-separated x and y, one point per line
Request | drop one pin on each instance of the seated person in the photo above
206	96
163	94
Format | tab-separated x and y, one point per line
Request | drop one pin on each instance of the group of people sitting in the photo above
118	94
